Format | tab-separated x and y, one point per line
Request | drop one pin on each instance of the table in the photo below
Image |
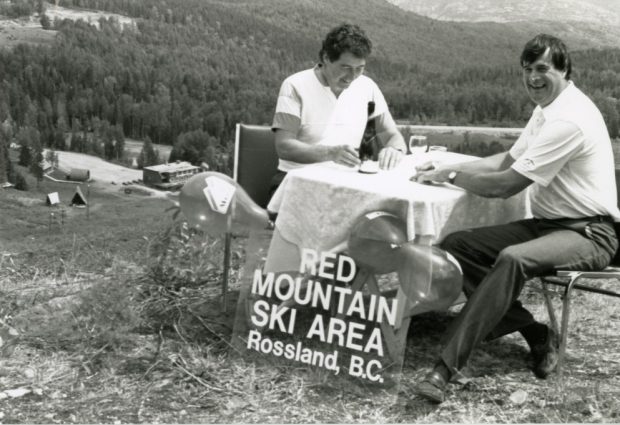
318	204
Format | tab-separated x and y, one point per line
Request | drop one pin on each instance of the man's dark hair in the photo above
345	38
537	47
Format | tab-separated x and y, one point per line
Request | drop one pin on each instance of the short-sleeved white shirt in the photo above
314	113
565	149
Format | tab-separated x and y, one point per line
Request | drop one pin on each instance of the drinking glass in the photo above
418	144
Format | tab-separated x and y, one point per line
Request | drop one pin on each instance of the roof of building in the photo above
172	167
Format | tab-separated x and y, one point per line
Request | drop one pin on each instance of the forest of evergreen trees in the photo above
191	69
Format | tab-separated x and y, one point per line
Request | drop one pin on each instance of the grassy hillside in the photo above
400	37
119	320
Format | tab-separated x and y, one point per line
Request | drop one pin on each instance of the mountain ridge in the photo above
591	23
593	11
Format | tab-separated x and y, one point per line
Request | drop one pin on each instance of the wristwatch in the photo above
452	176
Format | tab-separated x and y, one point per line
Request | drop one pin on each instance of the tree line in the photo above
191	70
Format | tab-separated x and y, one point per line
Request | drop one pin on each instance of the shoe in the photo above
433	387
546	355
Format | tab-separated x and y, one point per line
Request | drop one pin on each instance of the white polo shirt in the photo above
313	112
565	149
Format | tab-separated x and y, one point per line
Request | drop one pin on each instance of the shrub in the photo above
45	22
180	289
106	314
20	182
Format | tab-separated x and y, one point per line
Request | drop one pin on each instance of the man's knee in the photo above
511	254
515	261
456	242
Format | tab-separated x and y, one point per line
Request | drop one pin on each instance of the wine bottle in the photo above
367	146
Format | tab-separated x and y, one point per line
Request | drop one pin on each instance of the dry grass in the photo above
128	327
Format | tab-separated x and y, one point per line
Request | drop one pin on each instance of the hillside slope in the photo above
593	22
593	11
191	69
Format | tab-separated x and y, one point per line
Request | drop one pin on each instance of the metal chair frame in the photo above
570	280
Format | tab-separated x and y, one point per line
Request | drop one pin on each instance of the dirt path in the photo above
100	170
106	175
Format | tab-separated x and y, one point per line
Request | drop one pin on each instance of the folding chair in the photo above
571	280
256	160
255	163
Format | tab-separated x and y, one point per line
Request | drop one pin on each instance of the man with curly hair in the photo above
321	112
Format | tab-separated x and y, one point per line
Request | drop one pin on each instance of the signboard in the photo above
320	317
52	198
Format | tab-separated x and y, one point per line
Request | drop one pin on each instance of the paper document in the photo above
219	193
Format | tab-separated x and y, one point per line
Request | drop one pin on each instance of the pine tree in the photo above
25	156
119	142
51	157
4	159
35	166
148	155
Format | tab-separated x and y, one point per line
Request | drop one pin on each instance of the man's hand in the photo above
431	173
427	166
344	154
389	158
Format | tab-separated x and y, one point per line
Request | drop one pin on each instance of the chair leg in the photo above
226	271
552	318
565	319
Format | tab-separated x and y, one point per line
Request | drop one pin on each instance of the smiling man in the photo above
564	156
321	112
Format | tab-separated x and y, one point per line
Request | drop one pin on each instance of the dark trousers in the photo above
498	260
276	180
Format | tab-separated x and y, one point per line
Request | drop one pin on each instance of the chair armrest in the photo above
609	273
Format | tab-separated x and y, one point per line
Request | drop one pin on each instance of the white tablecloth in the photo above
317	206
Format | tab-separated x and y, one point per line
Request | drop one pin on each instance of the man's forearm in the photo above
473	178
397	142
388	133
490	184
498	162
291	149
302	152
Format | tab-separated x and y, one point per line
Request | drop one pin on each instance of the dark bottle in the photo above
367	146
